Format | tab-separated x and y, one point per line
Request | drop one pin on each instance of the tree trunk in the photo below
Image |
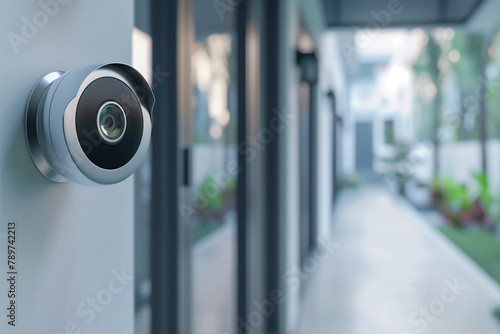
483	134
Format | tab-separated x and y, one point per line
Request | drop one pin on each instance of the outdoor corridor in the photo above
394	273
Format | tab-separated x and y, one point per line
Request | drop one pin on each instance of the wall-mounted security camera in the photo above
90	125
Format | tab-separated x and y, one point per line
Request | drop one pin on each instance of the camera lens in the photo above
111	122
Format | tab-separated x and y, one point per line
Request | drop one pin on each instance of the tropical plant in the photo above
457	205
217	198
468	67
349	181
493	98
399	168
429	74
484	200
461	205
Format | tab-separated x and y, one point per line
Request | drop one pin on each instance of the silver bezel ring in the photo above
31	123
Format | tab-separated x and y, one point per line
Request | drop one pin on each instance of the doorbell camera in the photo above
90	125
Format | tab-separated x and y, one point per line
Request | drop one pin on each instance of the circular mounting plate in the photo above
31	127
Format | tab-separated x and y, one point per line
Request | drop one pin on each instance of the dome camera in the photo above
90	125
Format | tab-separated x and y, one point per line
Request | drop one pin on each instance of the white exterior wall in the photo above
71	240
460	159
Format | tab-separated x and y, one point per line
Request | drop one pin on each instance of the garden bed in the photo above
480	245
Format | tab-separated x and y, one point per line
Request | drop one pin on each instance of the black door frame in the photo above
308	64
170	233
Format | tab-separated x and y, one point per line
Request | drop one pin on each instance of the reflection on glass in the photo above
214	186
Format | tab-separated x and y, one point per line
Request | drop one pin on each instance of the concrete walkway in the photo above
395	274
213	284
214	281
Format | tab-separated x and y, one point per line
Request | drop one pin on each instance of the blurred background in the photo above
320	166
